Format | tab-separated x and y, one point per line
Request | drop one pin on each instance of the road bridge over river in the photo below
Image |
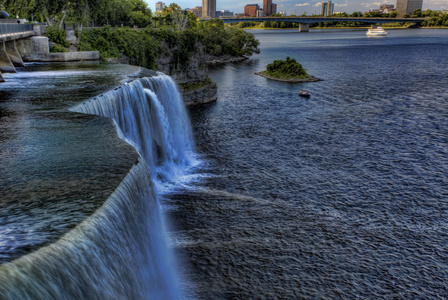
24	42
9	56
304	22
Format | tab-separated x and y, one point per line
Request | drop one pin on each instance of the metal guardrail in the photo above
15	28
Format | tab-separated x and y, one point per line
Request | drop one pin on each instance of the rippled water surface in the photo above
342	195
56	167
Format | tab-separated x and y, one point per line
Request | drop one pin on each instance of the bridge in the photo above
304	22
9	56
24	42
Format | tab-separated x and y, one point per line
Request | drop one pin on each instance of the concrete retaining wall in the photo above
36	48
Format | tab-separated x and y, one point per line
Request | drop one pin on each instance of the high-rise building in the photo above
327	8
208	8
160	6
267	7
408	6
197	11
250	10
273	8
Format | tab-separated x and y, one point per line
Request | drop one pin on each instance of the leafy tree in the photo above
417	13
289	69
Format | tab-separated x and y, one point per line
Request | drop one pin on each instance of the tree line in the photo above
81	12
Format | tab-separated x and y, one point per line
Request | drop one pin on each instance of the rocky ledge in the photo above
219	60
202	95
296	80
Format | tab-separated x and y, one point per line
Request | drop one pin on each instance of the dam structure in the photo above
121	251
21	43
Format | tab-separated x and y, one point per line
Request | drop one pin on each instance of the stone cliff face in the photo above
193	72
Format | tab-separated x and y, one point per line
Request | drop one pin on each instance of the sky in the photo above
300	6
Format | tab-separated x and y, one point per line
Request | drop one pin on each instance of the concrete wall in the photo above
37	48
74	56
33	48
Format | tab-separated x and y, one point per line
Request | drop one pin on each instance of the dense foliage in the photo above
439	21
226	40
97	12
289	69
57	35
143	47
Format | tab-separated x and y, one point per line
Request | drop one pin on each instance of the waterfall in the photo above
120	252
151	116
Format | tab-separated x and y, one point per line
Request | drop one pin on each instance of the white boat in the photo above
376	31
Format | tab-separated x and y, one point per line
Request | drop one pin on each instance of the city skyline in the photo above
300	7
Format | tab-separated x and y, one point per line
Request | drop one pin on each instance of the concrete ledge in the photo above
15	36
74	56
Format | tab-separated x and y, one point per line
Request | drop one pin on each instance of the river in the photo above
340	196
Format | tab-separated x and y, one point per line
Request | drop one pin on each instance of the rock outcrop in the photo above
195	71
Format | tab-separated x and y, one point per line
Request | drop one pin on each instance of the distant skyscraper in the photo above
208	8
327	8
267	7
273	8
408	6
160	6
197	11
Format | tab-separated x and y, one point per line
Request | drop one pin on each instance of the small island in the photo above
287	71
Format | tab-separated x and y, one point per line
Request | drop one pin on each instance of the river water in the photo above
340	196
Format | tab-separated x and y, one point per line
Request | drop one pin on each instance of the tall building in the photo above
387	8
208	8
408	6
327	8
197	11
250	10
160	6
273	8
267	7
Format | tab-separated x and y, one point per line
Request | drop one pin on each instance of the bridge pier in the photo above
304	27
6	65
13	54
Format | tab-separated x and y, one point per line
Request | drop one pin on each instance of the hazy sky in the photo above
299	7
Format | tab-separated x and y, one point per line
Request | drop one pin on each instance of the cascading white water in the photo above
151	116
120	252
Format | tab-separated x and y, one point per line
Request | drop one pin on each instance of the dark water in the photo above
340	196
56	167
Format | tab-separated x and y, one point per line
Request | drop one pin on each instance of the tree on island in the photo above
289	69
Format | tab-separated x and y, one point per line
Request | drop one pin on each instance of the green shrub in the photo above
57	48
57	35
289	69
